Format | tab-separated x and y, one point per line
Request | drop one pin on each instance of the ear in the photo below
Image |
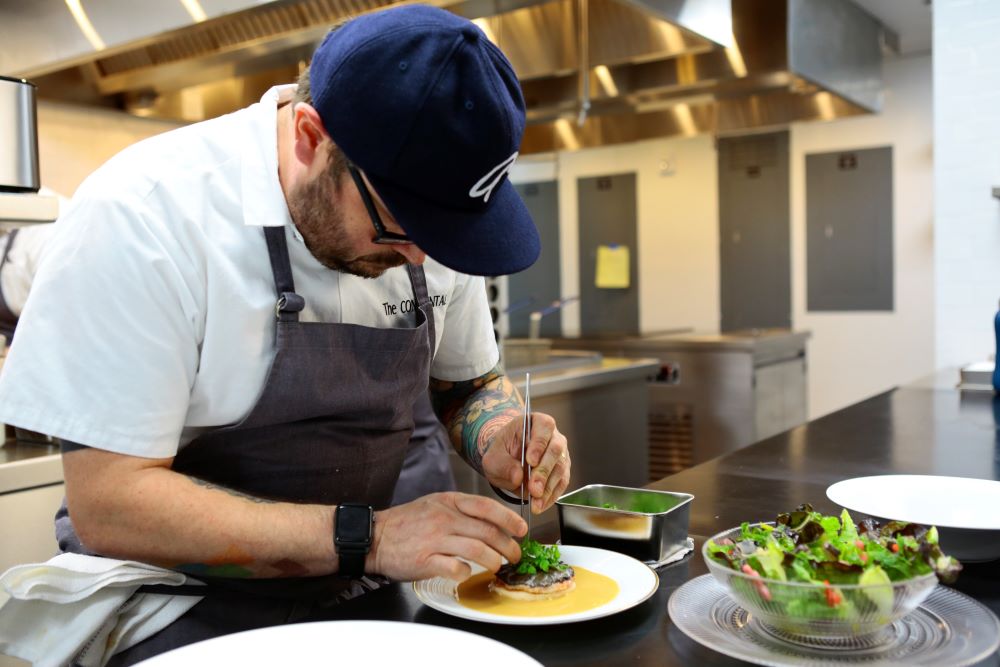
309	133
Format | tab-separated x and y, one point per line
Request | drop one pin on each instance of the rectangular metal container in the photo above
645	524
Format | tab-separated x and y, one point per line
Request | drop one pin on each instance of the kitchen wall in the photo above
967	167
677	218
74	141
852	355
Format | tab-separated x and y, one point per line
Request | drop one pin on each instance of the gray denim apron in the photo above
331	425
427	466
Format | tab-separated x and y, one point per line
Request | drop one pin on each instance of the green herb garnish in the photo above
536	557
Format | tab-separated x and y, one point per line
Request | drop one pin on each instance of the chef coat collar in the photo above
264	202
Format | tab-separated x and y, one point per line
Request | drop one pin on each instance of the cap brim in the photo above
498	241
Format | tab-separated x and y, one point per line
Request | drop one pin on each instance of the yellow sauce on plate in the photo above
592	590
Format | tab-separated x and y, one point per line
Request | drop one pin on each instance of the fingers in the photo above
439	565
550	475
509	470
557	482
491	511
471	550
542	428
433	535
481	532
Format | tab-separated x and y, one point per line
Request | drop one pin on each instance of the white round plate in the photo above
636	583
963	509
346	643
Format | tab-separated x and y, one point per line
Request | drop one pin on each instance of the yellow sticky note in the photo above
612	267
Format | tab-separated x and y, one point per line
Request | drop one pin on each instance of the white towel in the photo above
84	608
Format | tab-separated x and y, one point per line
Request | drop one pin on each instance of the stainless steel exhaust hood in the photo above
650	68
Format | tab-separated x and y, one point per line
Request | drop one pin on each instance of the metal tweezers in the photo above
525	435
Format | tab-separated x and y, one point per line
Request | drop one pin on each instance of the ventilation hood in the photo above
650	68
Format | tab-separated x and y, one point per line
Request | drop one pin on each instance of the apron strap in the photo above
289	304
418	281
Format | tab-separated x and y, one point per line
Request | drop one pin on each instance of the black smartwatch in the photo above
353	527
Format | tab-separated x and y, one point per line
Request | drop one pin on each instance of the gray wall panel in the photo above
849	230
539	284
754	233
607	207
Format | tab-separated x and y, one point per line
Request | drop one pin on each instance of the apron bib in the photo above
331	425
334	419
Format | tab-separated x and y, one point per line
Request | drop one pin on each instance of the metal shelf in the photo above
28	208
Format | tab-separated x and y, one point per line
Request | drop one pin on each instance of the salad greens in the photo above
536	557
808	547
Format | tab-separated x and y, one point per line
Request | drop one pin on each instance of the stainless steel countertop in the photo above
596	372
766	345
740	340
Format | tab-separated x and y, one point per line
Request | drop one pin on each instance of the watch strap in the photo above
352	563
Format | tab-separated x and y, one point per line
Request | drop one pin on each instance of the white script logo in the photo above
485	185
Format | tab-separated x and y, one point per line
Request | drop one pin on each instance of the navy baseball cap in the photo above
422	102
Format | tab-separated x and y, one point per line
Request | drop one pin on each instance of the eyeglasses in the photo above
382	235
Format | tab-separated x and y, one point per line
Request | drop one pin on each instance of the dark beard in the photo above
322	229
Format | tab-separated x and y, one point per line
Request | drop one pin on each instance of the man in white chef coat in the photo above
426	468
233	320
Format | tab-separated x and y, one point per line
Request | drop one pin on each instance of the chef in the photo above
426	467
233	320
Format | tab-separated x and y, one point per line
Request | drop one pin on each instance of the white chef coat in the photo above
151	317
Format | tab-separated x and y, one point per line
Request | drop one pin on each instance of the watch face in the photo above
354	524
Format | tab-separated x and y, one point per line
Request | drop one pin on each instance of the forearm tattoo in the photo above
472	411
235	562
232	492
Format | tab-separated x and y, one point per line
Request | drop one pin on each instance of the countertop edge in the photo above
609	371
30	473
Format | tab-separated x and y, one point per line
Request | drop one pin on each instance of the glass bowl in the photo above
811	610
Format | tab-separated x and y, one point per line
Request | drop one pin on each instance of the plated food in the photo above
540	584
621	582
815	574
539	575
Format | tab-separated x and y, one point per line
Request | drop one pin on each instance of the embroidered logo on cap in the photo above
484	186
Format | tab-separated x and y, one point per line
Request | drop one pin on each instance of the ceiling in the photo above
593	72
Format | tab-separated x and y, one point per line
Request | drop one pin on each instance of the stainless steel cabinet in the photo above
716	393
